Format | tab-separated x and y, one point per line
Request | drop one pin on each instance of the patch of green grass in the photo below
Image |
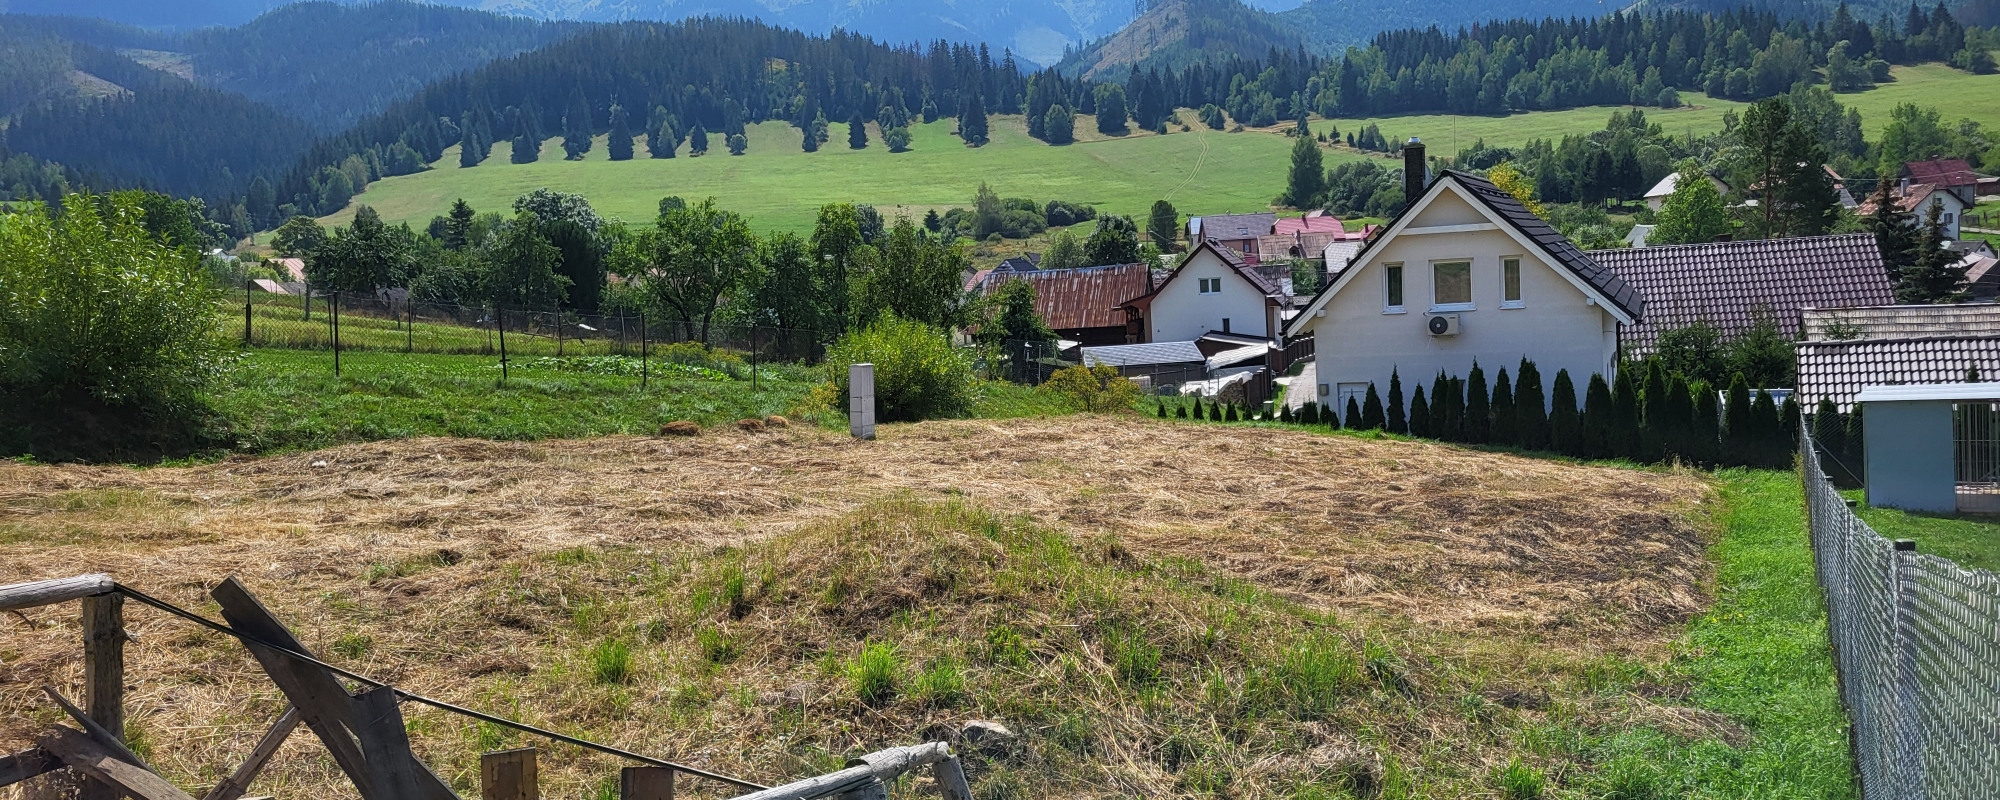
276	400
1971	541
1519	781
610	661
1003	400
941	684
876	674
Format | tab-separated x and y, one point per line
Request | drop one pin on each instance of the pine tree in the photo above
1565	424
1478	406
1705	434
1059	125
808	139
1353	415
1441	427
1739	434
620	143
1655	419
1420	415
972	120
697	139
1625	433
1788	426
663	135
1285	414
1163	226
1371	411
1598	419
1307	179
1309	413
857	132
1764	430
1180	411
1505	417
1399	422
576	128
1531	410
1162	409
1935	274
458	226
1677	430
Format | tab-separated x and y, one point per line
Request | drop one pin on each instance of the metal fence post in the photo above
642	353
500	321
409	324
334	313
1911	741
246	312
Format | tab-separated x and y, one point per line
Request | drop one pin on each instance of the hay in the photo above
680	428
404	541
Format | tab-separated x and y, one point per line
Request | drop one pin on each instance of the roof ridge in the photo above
1905	340
1730	242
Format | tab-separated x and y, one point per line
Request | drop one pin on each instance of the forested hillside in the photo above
1174	34
1331	26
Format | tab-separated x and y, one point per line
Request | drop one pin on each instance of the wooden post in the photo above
950	777
104	661
500	321
336	332
246	312
385	743
42	593
409	324
642	353
238	782
559	326
646	783
509	775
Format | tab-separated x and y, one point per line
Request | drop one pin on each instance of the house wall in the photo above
1954	211
1558	327
1181	313
1909	452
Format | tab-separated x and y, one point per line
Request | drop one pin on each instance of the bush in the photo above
1059	214
100	319
1095	390
876	674
918	374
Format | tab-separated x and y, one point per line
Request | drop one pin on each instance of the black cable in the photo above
434	703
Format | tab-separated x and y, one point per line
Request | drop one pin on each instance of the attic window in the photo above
1392	288
1451	286
1510	283
1211	286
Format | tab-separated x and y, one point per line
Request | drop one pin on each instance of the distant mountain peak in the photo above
1173	33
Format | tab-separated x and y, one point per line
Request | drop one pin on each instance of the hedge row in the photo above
1645	415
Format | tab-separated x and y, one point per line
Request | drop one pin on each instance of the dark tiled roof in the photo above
1902	322
1607	281
1943	172
1022	263
1728	283
1838	370
1238	226
1128	355
1091	297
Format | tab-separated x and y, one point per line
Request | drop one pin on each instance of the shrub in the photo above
876	674
1096	390
918	374
99	317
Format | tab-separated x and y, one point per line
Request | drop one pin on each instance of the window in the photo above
1211	286
1451	286
1392	288
1510	283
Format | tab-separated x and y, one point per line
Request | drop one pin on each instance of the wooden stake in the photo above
509	775
104	661
91	757
646	783
386	744
238	782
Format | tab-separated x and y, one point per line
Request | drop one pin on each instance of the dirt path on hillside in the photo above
1444	537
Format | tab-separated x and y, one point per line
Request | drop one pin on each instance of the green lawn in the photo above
1446	134
1971	541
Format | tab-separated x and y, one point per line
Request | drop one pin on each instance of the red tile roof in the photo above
1728	283
1942	172
1325	223
1838	370
1091	297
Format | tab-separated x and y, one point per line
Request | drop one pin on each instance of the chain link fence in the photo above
1916	645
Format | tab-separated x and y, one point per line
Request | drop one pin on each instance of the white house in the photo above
1917	198
1657	196
1465	273
1213	291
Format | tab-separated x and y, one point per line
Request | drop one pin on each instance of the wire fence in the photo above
394	322
1916	646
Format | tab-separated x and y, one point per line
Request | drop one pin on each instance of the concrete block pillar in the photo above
861	400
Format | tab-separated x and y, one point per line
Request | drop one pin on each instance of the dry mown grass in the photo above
1160	608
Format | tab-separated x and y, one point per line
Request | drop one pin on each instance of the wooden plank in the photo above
864	777
27	764
41	593
950	777
323	704
386	744
85	754
646	783
509	775
104	738
238	782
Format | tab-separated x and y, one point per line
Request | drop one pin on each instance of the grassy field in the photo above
1971	541
1203	172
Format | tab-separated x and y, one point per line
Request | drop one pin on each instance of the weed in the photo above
941	684
1631	778
575	556
608	788
876	673
735	591
1385	667
1005	648
353	646
1001	784
716	647
1518	781
1313	675
138	740
489	737
1135	660
610	661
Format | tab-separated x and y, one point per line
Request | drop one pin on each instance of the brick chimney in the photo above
1414	167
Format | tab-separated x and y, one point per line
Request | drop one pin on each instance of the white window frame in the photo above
1470	294
1205	284
1402	277
1519	301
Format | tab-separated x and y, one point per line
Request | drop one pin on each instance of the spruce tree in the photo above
1478	406
1625	441
620	143
697	139
1677	432
458	225
1565	424
1163	226
1371	411
1655	419
576	128
1161	409
857	132
1399	421
1285	414
1420	415
1180	411
1705	434
1895	230
1353	415
972	120
1440	423
1504	416
1307	179
1531	410
1598	419
1769	440
663	138
1935	274
1739	437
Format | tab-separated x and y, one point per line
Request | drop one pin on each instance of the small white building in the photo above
1657	196
1212	291
1465	273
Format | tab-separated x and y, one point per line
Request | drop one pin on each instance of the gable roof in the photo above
1090	297
1901	322
1127	355
1236	226
1602	284
1942	172
1029	262
1229	258
1727	283
1310	223
1837	370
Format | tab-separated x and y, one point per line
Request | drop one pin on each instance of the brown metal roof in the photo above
1838	370
1727	284
1943	172
1090	297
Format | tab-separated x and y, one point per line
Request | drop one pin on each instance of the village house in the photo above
1466	273
1949	174
1846	350
1917	198
1081	305
1657	196
1237	232
1214	290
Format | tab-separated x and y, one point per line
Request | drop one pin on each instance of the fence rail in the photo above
1916	645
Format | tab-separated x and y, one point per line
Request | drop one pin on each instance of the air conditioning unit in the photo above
1443	325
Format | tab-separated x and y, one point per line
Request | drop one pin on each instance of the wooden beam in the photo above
386	744
950	777
646	783
27	764
41	593
238	782
509	775
106	738
323	703
104	661
85	754
1467	228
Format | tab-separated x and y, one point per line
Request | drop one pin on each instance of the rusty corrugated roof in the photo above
1081	298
